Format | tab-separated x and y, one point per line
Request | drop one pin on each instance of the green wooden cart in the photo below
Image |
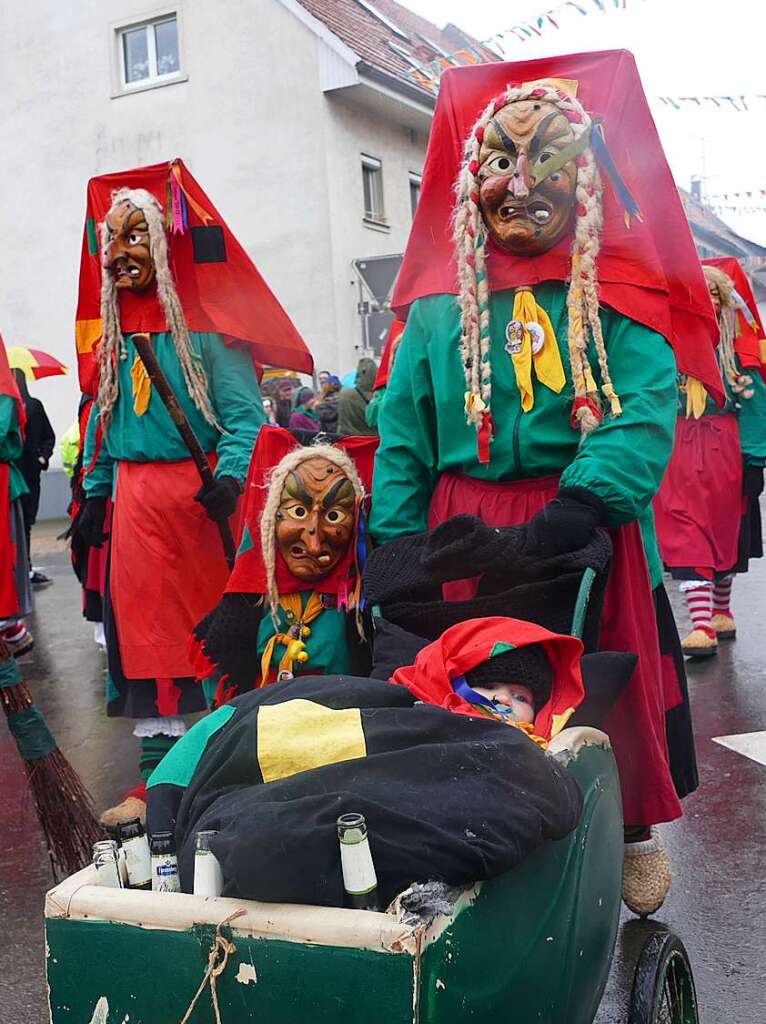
531	947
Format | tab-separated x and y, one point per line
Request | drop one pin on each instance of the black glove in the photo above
44	461
90	523
221	500
752	482
565	524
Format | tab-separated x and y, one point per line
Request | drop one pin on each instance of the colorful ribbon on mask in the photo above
547	363
176	181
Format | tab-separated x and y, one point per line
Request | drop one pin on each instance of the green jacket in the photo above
424	431
236	401
11	445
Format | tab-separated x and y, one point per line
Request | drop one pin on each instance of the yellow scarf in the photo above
142	386
530	325
696	398
298	630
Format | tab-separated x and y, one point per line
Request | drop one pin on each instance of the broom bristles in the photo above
63	805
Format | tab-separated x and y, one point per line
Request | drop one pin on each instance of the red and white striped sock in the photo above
699	599
722	596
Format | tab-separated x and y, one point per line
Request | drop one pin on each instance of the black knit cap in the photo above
526	666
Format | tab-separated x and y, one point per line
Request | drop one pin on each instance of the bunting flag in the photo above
545	20
742	102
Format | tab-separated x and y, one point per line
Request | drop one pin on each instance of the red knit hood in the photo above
220	289
748	344
649	272
464	646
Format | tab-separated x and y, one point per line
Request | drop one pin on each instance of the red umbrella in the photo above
34	362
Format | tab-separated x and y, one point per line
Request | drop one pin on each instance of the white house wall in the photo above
248	121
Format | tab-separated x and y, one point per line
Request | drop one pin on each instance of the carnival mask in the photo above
525	210
128	255
315	520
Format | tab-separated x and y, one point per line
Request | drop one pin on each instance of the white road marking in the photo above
749	744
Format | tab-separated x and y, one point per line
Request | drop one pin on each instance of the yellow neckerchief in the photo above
142	386
696	398
295	648
526	727
530	320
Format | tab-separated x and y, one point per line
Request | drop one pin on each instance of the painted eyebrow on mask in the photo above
335	493
506	140
542	128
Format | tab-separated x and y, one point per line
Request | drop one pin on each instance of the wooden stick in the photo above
146	354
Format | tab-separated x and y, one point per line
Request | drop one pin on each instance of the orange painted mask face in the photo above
522	215
128	256
315	519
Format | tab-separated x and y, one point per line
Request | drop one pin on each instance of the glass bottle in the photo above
165	878
135	846
106	864
208	877
359	878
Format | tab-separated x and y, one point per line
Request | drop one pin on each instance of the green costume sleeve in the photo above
406	461
373	409
237	401
752	423
623	461
98	478
11	441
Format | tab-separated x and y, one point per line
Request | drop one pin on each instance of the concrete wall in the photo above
278	157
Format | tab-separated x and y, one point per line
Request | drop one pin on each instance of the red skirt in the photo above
9	598
699	507
636	725
167	566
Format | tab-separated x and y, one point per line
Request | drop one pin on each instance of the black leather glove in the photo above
90	523
221	500
565	524
752	483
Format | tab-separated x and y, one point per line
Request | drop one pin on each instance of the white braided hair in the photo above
728	328
470	236
275	484
113	346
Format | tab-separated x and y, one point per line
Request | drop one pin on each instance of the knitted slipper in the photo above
647	875
725	627
699	644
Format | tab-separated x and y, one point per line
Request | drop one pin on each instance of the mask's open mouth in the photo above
299	552
538	210
121	269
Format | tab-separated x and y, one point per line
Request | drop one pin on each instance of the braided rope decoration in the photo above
470	236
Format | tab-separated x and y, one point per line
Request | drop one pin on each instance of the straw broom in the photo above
63	805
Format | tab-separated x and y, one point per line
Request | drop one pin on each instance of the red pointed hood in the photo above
649	272
249	574
8	385
218	284
750	344
464	646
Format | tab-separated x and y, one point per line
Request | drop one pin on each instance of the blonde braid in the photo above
195	377
275	485
470	237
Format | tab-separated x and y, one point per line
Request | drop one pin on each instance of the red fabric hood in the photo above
8	385
649	272
748	344
395	331
249	574
224	294
468	644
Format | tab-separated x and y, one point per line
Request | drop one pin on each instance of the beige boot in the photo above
699	644
646	878
725	627
131	807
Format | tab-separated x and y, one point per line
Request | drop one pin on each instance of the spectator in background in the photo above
284	403
353	402
327	407
303	416
39	441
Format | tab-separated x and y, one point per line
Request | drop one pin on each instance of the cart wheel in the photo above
663	988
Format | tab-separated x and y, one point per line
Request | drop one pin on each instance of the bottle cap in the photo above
130	829
162	842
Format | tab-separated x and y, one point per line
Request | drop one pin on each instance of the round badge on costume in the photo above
514	334
537	335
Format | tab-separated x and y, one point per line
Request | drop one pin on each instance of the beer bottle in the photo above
164	863
106	864
359	878
135	846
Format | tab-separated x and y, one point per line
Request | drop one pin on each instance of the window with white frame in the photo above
372	183
416	180
149	53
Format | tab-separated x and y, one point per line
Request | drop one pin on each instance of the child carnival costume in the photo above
292	605
166	264
534	380
705	534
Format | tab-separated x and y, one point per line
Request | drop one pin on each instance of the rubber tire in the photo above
662	952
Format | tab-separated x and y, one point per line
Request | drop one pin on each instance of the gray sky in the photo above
683	48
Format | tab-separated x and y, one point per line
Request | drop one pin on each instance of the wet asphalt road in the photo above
717	904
